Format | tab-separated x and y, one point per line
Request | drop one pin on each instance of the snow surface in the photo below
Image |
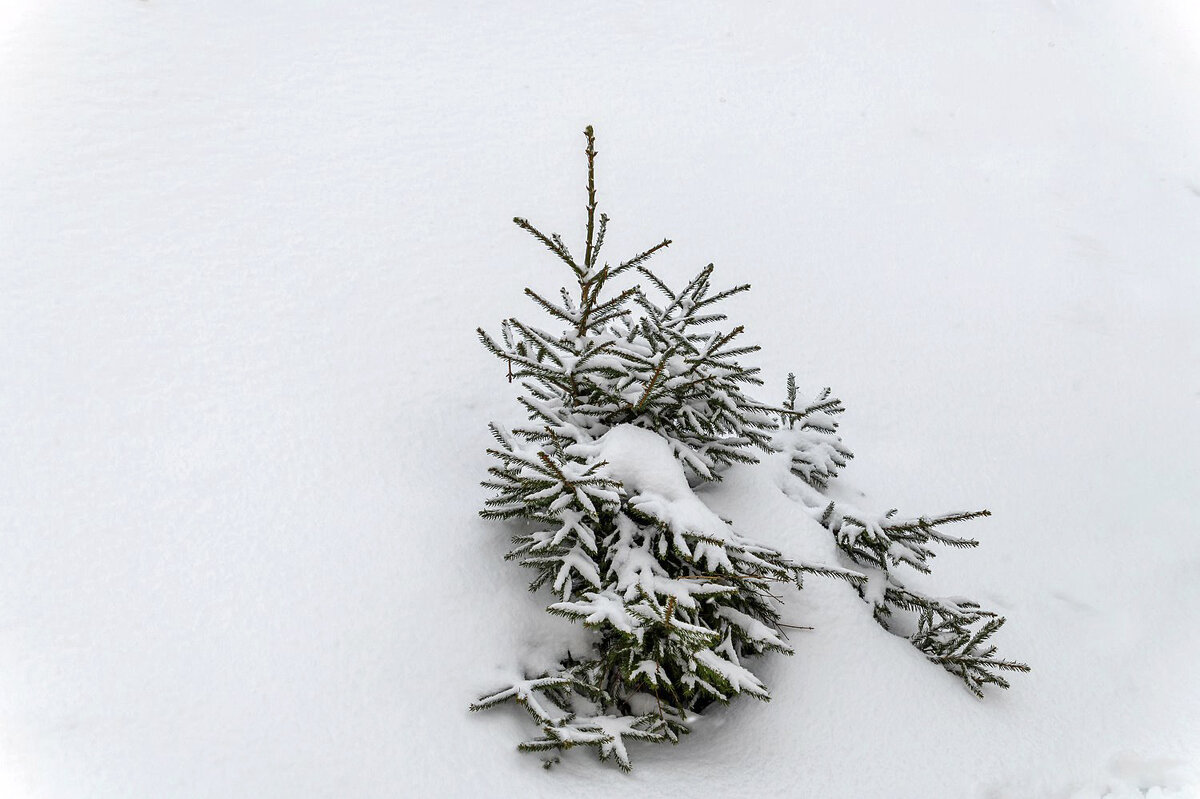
243	250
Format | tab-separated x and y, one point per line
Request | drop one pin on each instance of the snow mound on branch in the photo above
642	461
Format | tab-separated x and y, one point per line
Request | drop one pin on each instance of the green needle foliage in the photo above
634	396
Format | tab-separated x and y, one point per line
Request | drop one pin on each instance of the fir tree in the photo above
634	398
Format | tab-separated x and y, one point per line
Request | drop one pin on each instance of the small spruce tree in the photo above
634	396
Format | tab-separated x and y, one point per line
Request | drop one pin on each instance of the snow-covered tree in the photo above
633	399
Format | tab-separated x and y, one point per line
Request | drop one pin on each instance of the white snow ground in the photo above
243	250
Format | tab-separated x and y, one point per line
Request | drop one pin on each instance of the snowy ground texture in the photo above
243	250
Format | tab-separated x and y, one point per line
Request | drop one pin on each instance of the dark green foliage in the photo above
677	600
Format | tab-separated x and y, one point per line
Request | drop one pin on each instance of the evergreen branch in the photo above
722	340
706	319
591	308
927	524
636	261
653	379
736	352
549	243
852	577
544	344
598	321
721	295
551	308
531	367
658	284
600	231
558	242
